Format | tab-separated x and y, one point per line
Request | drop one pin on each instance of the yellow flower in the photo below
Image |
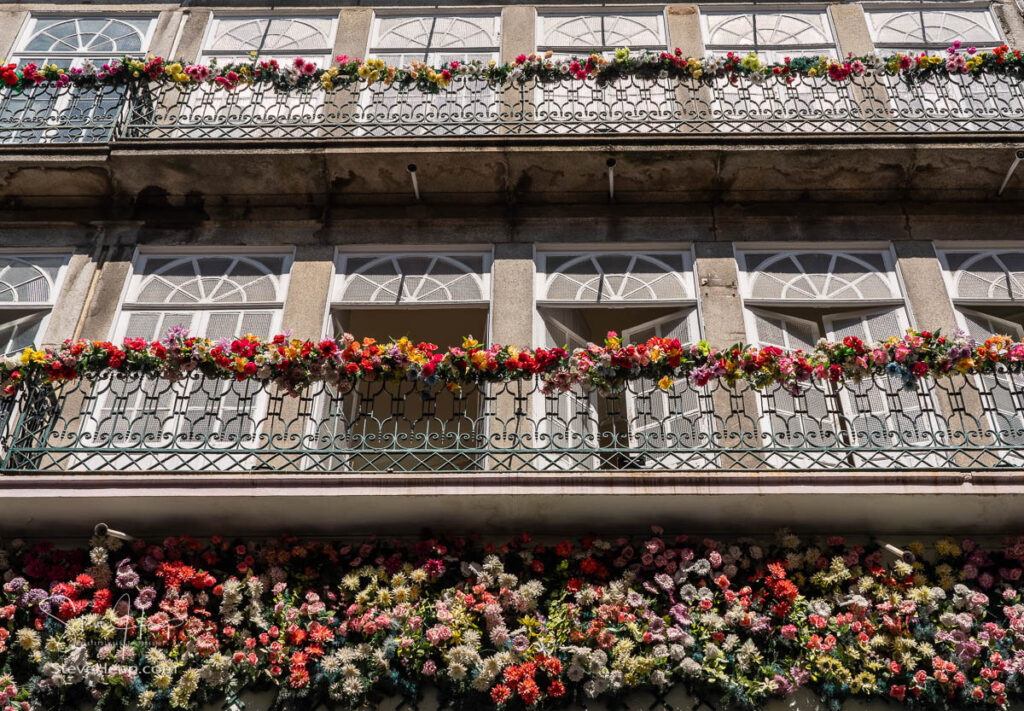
666	383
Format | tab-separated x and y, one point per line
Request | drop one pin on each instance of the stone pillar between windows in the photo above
1010	22
99	286
854	37
693	99
518	36
185	47
735	410
353	39
957	401
69	302
190	43
103	302
167	25
11	22
305	307
512	305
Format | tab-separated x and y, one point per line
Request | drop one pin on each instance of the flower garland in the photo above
294	364
348	72
182	622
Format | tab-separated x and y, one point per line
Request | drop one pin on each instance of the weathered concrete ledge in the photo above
126	178
714	502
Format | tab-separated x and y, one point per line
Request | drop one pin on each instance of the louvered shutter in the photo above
1004	390
794	420
880	411
133	412
658	419
568	420
221	412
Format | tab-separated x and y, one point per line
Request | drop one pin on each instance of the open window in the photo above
806	418
933	30
639	295
71	114
466	106
791	299
773	36
987	290
261	110
218	297
28	289
882	413
602	107
389	424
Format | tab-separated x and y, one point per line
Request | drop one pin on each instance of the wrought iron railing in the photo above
873	103
200	424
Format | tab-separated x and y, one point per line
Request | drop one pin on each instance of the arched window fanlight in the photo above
817	276
412	279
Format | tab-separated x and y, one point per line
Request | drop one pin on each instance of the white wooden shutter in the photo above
659	419
131	413
881	412
569	419
794	420
1004	391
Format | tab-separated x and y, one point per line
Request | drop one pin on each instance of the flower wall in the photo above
350	72
293	364
173	624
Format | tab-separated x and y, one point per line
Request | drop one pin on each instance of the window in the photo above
773	36
28	290
243	39
640	295
44	114
74	41
793	298
434	39
933	31
584	34
436	297
214	296
562	105
987	289
259	110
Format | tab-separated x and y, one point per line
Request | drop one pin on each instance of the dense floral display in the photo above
350	72
173	624
293	364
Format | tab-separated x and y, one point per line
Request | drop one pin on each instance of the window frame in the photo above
314	54
338	278
925	46
128	302
831	48
35	308
601	13
29	29
373	50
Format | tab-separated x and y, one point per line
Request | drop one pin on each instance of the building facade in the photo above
720	204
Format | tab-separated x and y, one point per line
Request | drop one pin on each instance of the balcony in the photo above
137	424
203	453
876	104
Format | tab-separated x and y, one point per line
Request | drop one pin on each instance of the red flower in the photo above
500	694
556	689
